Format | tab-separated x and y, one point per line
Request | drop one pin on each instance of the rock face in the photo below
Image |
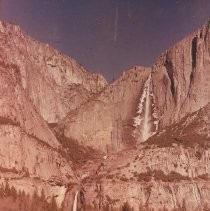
148	122
181	76
37	84
105	122
28	149
54	82
143	100
170	171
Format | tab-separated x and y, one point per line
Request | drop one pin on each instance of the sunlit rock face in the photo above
181	77
168	172
132	109
168	168
106	122
54	82
29	154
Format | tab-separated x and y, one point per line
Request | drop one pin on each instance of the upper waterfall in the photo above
146	121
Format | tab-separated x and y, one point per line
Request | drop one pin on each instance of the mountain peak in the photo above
64	130
8	27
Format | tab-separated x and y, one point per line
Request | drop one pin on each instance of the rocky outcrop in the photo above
181	77
54	82
29	151
170	171
106	122
143	101
158	106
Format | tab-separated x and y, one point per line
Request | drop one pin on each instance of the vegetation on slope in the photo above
13	200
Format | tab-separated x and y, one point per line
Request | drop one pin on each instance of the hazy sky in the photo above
108	36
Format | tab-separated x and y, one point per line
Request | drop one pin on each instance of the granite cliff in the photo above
54	82
168	172
144	100
38	86
141	142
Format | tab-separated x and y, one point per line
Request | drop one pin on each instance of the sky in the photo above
108	36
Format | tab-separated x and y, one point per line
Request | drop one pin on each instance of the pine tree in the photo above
106	207
126	207
2	191
7	189
53	204
62	206
13	193
183	208
43	197
34	201
205	207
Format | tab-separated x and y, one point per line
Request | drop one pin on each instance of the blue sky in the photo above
108	36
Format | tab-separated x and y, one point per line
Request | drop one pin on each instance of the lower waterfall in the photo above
75	202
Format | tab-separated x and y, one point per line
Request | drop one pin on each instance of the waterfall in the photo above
146	126
75	202
146	121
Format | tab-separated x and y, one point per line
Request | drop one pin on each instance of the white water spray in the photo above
75	202
146	126
146	123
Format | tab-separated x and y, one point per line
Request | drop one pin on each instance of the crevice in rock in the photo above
170	69
201	33
194	52
193	58
207	31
